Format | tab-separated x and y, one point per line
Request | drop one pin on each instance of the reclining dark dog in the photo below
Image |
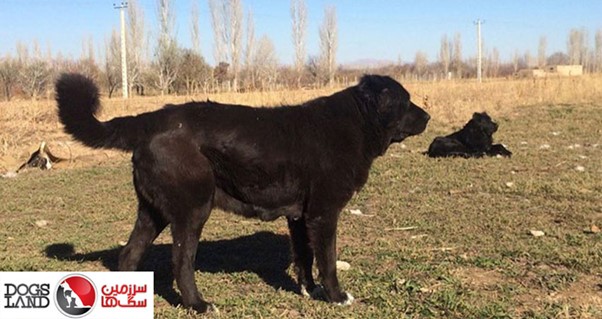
302	162
475	139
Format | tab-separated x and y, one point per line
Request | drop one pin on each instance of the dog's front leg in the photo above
322	232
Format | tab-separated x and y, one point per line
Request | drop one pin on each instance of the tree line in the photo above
246	63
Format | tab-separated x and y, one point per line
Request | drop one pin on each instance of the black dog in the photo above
475	139
301	162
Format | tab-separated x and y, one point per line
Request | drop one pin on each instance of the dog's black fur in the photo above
475	139
301	162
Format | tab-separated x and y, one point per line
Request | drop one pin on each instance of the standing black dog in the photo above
475	139
302	162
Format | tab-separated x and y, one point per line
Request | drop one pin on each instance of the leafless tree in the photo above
299	25
194	73
265	64
528	59
34	72
9	75
328	44
235	37
136	43
557	58
494	60
247	73
87	61
226	19
112	66
541	52
420	64
515	61
220	51
250	41
598	53
457	55
445	54
195	33
166	65
577	46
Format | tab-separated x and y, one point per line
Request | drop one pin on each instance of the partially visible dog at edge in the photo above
475	139
301	162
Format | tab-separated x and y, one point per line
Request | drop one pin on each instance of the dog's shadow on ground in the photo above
265	254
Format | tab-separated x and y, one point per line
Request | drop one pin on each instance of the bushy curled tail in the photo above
78	102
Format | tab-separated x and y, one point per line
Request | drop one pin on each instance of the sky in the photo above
390	30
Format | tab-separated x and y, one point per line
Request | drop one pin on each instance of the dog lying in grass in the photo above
475	139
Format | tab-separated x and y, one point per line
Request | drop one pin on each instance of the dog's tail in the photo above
78	102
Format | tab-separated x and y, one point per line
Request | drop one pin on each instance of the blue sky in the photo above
376	29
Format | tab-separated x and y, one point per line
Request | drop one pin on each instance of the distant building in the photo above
551	70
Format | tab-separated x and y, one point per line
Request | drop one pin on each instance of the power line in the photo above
124	66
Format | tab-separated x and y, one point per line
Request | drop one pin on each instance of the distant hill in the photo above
363	64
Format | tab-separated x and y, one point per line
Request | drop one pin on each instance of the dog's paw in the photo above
318	293
204	307
348	301
304	292
212	308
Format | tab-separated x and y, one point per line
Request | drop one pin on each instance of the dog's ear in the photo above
371	87
378	90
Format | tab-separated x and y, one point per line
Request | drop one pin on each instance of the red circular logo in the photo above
75	296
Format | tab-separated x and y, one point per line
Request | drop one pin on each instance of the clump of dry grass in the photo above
26	123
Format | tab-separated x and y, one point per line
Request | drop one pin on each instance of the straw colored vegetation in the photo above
428	238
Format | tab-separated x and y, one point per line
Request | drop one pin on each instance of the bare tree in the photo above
166	66
195	33
515	61
112	66
235	39
34	72
557	58
328	44
457	55
265	64
541	52
227	18
87	62
220	51
420	64
250	41
576	46
598	53
445	54
136	45
495	62
248	73
528	58
9	75
299	24
194	72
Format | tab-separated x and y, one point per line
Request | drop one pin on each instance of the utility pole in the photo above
479	49
124	65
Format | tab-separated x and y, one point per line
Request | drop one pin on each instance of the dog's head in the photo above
477	134
390	106
484	123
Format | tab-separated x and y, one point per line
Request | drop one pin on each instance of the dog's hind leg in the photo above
178	180
149	225
303	254
186	235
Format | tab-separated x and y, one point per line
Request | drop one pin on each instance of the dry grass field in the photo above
438	238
